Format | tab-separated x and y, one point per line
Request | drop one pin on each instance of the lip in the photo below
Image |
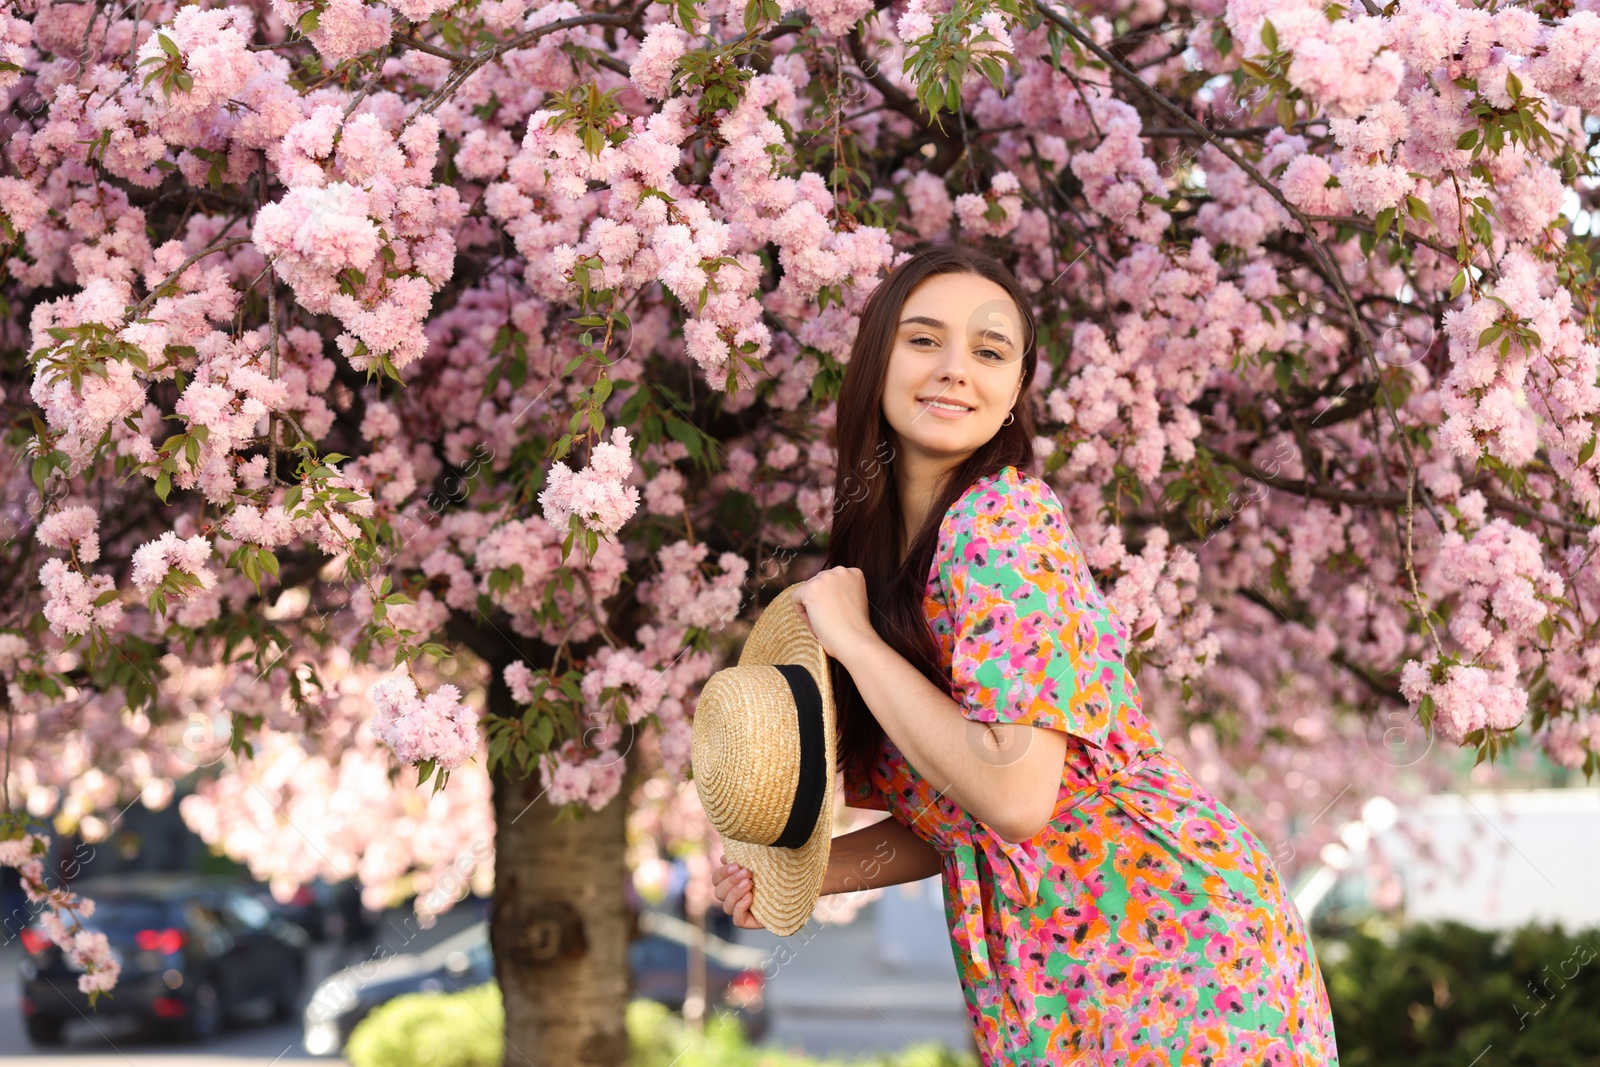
942	412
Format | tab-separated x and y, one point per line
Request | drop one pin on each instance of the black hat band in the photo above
813	766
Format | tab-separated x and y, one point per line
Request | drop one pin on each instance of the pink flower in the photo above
213	53
74	528
70	599
519	679
598	494
153	560
658	54
438	727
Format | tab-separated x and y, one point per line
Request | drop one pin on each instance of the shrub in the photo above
432	1030
464	1030
1439	995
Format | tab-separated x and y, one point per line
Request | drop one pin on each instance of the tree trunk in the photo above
560	924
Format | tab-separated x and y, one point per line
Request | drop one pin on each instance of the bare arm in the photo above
885	853
1005	775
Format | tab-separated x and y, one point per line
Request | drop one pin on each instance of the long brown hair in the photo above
868	525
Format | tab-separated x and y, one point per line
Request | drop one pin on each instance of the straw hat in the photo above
763	762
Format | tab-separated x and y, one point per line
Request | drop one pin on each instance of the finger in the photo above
741	911
735	895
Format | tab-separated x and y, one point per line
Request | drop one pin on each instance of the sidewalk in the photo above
831	992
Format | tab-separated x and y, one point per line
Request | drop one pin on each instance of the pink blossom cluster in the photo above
831	17
211	46
598	494
658	54
1469	699
154	560
1502	584
362	232
438	727
344	28
1505	405
516	563
519	678
88	950
325	802
569	777
72	599
972	210
1571	742
72	529
685	597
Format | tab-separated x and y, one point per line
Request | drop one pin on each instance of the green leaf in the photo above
163	486
1285	113
309	21
1269	35
1385	220
1458	284
1490	335
1467	140
269	562
169	46
1587	452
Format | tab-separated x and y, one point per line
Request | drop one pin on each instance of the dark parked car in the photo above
196	952
658	959
326	911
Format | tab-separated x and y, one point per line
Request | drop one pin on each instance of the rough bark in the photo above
560	925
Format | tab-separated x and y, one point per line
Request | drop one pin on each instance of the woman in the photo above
1104	909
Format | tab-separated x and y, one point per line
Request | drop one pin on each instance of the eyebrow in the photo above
996	335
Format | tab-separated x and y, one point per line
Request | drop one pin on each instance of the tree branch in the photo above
1370	678
1336	276
220	246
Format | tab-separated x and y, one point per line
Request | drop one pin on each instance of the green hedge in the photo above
464	1030
1439	995
432	1030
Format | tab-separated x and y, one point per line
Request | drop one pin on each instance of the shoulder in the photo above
1008	501
1000	518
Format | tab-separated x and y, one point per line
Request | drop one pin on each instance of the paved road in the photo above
95	1042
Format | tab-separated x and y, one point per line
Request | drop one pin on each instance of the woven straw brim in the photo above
787	881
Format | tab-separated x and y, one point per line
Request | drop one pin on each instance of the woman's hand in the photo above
731	887
834	604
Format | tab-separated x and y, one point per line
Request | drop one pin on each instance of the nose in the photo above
953	367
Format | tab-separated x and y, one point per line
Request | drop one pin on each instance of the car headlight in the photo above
322	1039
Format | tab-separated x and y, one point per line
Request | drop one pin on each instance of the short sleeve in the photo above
1032	640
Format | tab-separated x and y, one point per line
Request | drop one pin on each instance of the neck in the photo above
917	479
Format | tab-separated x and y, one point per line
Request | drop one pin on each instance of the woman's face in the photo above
959	344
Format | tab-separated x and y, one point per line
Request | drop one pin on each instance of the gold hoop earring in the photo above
1011	417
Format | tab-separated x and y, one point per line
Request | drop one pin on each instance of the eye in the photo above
999	357
919	340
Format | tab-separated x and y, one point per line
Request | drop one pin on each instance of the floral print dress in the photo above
1145	924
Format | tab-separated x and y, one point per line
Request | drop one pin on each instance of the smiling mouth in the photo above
943	405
